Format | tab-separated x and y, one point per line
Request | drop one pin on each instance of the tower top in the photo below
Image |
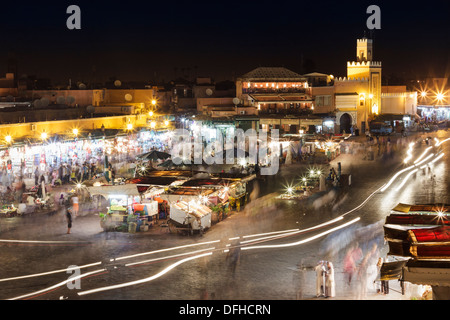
364	49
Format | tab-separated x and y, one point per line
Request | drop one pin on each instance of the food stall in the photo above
189	217
122	211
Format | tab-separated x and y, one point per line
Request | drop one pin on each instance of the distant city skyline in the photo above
158	41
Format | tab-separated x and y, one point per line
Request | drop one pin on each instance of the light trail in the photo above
441	142
71	279
132	283
416	163
423	154
409	153
164	250
49	272
268	233
39	241
168	257
383	188
406	179
302	241
292	232
433	161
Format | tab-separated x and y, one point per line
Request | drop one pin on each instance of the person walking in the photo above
330	285
352	256
75	205
69	219
233	258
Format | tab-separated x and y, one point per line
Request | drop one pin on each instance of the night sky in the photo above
161	40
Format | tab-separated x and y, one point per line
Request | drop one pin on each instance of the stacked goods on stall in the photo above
189	216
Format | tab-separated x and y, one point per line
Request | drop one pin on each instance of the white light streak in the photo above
71	279
132	283
409	153
168	257
423	154
403	170
423	161
433	161
269	233
164	250
302	241
270	237
49	272
406	179
39	241
294	231
441	142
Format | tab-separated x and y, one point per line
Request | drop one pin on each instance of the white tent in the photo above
107	191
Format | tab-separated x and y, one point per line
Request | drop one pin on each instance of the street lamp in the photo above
75	131
44	135
8	139
129	126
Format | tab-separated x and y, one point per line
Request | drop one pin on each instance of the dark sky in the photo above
148	40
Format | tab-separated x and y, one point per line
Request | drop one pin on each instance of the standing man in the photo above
320	279
69	219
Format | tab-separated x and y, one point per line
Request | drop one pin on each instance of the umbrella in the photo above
154	155
170	163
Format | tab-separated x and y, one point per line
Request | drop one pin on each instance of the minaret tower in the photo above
364	68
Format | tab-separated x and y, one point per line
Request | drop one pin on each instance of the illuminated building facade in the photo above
278	95
434	99
360	96
274	90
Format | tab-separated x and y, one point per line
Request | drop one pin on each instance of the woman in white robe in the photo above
330	283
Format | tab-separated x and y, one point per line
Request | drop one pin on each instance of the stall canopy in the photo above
392	270
106	191
154	155
430	208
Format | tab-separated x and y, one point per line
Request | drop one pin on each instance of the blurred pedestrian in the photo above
330	286
69	219
365	272
234	256
75	205
352	256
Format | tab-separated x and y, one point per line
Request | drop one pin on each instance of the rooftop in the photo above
272	73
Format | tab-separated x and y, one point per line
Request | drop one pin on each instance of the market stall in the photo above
122	211
420	234
189	217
